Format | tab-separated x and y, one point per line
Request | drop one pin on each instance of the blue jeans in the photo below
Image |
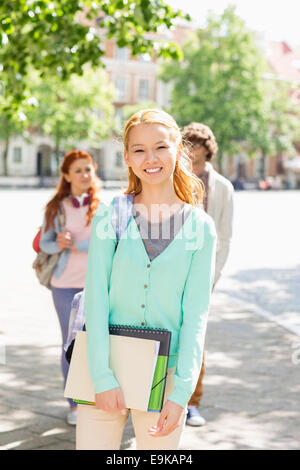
62	299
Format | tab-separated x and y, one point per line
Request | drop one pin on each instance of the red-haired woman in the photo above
77	194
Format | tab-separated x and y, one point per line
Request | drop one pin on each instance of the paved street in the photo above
252	384
264	265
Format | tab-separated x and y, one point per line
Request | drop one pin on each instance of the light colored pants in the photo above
100	430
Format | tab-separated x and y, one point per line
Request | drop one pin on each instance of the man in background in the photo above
218	203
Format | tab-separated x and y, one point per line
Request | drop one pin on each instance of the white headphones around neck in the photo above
79	201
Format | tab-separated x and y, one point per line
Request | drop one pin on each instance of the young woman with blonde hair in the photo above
77	196
160	276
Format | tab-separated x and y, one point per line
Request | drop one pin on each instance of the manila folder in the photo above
132	361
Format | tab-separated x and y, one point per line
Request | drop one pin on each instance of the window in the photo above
119	115
145	57
122	53
119	159
144	89
119	119
17	154
120	86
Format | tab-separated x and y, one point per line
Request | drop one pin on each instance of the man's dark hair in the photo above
196	134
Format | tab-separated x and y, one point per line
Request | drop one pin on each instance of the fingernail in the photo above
153	430
123	412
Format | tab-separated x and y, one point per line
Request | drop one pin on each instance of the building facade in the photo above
136	81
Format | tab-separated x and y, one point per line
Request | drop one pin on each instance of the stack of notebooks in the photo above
139	361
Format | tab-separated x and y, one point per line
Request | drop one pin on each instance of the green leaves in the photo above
221	83
77	109
54	38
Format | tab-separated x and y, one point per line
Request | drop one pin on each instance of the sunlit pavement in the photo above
252	383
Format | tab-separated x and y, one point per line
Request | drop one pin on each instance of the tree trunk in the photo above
6	137
57	152
57	160
263	165
5	156
220	161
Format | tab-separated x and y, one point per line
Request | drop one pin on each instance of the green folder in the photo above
156	398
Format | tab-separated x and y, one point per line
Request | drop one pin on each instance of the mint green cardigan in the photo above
173	292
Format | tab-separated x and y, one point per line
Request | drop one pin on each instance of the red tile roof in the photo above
284	60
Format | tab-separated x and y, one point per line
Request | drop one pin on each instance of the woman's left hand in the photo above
170	419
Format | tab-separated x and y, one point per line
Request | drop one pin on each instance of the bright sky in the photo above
278	19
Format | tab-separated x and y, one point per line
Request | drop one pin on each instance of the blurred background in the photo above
239	72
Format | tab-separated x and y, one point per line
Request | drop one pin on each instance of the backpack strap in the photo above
122	211
61	217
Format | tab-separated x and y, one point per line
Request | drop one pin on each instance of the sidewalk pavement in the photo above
251	388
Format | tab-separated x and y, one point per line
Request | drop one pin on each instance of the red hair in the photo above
64	188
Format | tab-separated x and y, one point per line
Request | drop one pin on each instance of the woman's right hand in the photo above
64	240
111	401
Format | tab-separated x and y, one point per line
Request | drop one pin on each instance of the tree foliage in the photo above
278	130
79	109
61	36
222	84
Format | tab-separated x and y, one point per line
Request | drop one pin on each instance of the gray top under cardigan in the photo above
157	236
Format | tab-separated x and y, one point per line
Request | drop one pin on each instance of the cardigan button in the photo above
148	265
143	323
145	286
143	305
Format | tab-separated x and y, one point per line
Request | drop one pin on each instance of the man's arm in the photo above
224	231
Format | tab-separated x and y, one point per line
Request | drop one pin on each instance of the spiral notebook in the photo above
139	360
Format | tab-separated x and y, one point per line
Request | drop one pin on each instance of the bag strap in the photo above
61	217
122	211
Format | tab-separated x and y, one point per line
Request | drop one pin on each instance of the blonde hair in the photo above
186	185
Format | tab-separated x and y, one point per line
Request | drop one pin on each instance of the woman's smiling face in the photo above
80	175
152	152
